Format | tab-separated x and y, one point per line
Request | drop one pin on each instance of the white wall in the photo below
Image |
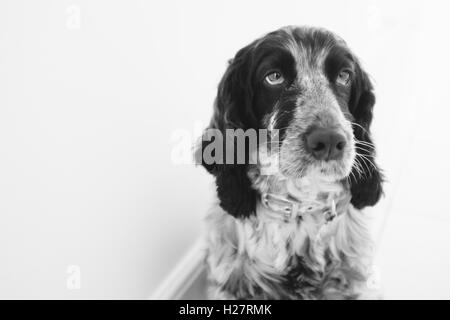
92	91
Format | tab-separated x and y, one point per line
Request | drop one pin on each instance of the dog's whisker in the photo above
363	149
360	126
359	169
367	162
369	148
364	162
365	143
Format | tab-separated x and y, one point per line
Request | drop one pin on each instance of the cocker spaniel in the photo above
297	232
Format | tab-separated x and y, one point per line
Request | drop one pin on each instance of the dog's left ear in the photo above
366	180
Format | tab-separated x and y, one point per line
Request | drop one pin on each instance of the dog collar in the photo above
289	209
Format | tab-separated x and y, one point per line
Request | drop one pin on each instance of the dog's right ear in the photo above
232	110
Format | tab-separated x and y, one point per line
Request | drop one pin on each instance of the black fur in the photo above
233	110
367	188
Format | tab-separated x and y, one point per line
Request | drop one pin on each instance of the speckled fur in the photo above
264	258
251	255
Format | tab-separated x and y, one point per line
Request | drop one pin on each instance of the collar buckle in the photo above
288	209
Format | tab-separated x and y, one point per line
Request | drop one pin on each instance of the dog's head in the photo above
307	84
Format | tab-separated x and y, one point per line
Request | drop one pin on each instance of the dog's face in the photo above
302	87
306	84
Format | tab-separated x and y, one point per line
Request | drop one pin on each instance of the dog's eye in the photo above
274	78
344	78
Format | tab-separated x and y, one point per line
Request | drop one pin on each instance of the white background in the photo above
92	92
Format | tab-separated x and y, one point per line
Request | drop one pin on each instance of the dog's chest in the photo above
259	255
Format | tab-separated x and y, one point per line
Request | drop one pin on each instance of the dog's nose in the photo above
325	144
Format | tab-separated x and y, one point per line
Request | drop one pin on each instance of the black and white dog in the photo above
298	232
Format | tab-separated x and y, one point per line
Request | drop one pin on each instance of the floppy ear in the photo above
366	180
232	110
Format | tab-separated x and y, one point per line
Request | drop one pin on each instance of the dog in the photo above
298	232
